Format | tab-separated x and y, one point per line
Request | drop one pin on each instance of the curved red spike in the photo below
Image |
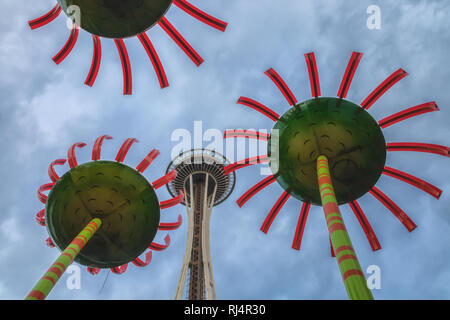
154	58
246	134
282	86
255	189
124	149
349	74
414	181
274	212
180	41
93	271
245	163
49	242
269	113
171	225
120	270
160	247
172	202
408	113
45	187
139	263
370	234
313	74
64	52
96	61
297	242
40	217
97	149
71	154
51	169
395	209
200	15
126	66
46	18
164	180
419	147
383	87
147	160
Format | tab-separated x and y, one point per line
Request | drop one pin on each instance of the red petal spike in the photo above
282	86
126	67
418	147
333	254
97	149
296	243
64	52
172	202
246	134
255	189
50	243
93	271
45	187
274	212
139	263
200	15
120	270
313	74
349	74
172	225
40	217
245	163
388	203
269	113
71	154
408	113
180	41
51	169
46	18
383	87
147	161
414	181
160	247
154	58
164	180
374	243
96	61
125	148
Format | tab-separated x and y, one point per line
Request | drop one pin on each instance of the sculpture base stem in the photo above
352	275
49	279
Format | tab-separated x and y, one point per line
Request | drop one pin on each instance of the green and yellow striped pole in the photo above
354	280
48	281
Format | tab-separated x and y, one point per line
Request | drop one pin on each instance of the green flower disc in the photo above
113	192
339	129
115	18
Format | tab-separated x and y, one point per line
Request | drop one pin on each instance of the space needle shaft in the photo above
352	275
49	279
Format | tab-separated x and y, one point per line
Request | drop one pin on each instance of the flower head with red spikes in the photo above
342	131
122	19
118	195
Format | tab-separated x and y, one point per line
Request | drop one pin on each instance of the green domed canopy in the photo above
116	18
117	194
339	129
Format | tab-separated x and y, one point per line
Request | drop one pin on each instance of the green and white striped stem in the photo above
354	280
48	281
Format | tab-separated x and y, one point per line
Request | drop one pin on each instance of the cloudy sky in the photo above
46	108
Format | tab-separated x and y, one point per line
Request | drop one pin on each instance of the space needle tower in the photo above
202	179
